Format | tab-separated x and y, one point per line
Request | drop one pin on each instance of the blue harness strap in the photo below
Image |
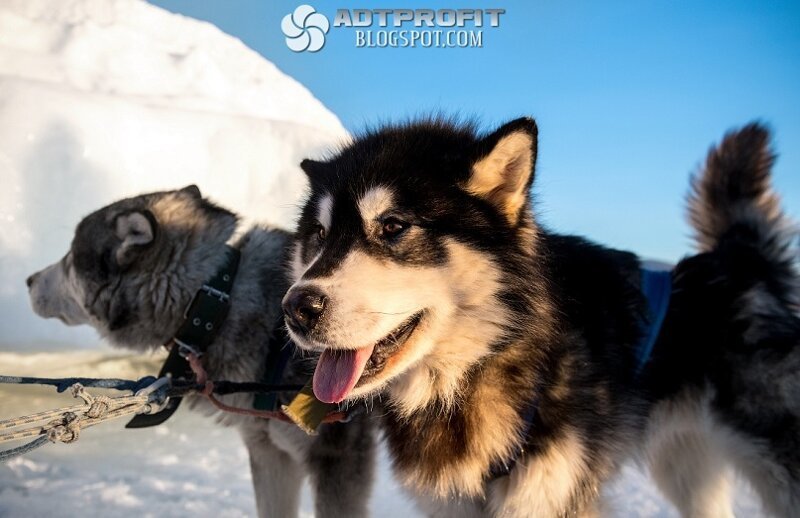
656	287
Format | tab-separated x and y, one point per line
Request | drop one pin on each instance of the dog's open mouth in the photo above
340	370
388	346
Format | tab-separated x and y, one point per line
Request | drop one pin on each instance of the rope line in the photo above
7	455
65	424
148	395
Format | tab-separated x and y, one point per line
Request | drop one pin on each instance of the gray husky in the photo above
132	270
518	367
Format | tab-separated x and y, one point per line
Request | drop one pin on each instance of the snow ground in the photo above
188	465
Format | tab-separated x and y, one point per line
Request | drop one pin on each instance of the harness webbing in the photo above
656	288
279	352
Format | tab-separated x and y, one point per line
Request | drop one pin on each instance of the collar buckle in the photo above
185	349
214	292
211	292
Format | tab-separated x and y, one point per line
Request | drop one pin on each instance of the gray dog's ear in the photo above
503	165
136	230
192	190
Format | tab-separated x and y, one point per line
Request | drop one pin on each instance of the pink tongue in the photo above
338	372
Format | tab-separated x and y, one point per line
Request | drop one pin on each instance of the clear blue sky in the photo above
628	95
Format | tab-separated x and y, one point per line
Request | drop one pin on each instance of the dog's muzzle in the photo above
303	307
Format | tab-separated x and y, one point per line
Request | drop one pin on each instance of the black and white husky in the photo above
132	270
507	357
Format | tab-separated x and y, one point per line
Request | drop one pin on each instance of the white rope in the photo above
69	421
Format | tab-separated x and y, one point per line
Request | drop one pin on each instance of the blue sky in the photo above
628	95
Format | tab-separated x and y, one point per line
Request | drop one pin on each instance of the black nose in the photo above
302	308
29	281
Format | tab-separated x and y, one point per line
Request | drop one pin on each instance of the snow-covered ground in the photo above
189	465
107	98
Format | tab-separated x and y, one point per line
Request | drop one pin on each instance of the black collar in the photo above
202	320
209	308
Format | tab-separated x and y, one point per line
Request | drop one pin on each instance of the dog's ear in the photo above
193	191
314	170
502	167
136	231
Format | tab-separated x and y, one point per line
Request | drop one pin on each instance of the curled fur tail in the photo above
732	203
733	192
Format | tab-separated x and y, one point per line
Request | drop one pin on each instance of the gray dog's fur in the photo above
131	271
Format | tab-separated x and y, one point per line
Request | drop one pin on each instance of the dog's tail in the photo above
732	197
732	205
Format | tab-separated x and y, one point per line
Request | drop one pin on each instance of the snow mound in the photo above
106	99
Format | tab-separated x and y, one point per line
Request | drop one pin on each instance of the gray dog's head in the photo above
134	265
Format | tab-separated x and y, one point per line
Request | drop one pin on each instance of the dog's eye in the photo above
393	227
321	233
